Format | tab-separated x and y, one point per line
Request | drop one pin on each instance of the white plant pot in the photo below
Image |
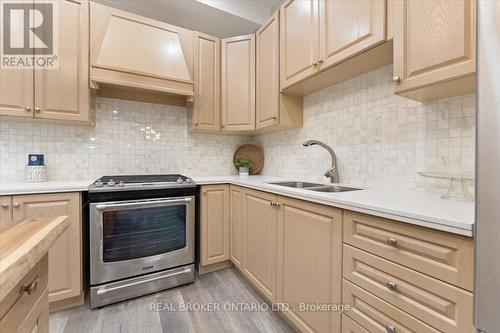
244	172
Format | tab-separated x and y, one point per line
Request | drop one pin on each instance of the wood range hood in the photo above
136	53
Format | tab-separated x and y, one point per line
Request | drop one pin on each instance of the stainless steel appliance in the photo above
141	235
487	227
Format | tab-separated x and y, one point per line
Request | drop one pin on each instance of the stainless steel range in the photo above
141	235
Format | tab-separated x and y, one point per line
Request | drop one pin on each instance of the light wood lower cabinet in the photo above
378	316
446	256
6	220
65	256
260	241
214	224
309	263
237	226
441	305
350	326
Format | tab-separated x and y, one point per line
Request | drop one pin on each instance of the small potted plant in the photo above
243	166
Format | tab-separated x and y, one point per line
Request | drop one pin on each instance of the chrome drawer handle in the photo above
391	285
392	242
4	205
390	329
30	289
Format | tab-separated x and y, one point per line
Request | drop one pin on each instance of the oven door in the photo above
130	238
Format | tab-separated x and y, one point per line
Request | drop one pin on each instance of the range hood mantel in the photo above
138	53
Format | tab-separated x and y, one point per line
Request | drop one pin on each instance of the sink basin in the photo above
333	188
297	184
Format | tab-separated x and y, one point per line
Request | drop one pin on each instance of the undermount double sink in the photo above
316	187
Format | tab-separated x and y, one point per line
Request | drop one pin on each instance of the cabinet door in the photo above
63	93
236	226
434	41
260	241
238	83
6	220
65	256
309	263
350	27
206	82
299	40
16	92
268	85
214	224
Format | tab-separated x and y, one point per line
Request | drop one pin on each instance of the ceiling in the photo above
221	18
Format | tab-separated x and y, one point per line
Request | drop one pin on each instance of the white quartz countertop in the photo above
51	186
414	207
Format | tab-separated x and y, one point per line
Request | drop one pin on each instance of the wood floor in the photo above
223	287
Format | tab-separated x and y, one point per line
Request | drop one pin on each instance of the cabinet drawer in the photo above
439	304
378	316
16	305
350	326
445	256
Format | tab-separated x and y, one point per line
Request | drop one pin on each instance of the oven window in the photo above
143	232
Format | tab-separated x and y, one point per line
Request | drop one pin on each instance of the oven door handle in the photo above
146	204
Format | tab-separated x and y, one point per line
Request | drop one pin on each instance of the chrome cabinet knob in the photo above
37	110
223	125
27	108
391	285
204	192
4	205
390	329
315	63
16	205
392	242
320	61
396	79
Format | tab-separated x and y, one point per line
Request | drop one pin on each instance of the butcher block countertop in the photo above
22	246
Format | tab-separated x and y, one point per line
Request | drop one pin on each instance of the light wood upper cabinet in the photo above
16	92
60	93
238	83
260	241
206	107
214	224
326	42
434	48
64	93
135	52
309	262
65	256
349	27
237	226
273	110
299	40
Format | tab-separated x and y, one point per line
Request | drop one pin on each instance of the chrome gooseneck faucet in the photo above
332	172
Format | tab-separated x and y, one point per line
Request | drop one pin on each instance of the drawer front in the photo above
378	316
16	305
445	256
350	326
441	305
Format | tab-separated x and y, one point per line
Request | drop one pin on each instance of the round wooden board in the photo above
253	154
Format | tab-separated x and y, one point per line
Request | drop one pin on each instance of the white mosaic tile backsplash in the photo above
128	138
381	140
